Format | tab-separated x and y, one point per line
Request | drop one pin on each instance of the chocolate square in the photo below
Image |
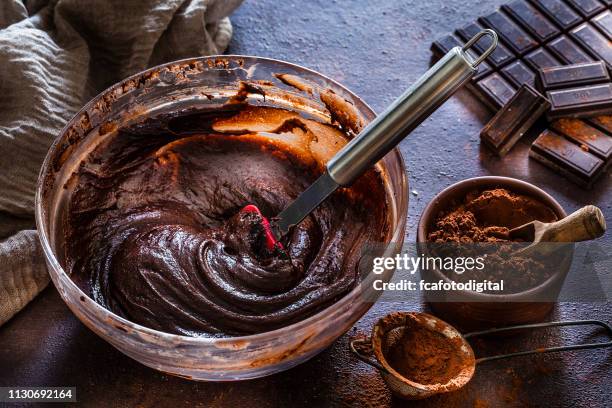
602	122
587	8
540	58
594	41
559	12
512	121
585	101
603	22
496	90
498	57
589	138
566	50
518	73
571	76
567	158
531	20
513	36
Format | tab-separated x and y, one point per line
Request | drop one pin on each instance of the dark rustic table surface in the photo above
377	49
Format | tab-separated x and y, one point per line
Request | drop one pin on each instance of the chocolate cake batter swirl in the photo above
155	231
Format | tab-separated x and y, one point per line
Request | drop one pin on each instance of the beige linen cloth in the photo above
54	56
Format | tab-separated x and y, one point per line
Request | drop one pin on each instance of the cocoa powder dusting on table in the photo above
480	403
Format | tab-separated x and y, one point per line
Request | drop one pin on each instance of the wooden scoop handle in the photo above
581	225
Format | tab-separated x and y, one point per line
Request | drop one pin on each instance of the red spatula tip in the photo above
251	208
271	242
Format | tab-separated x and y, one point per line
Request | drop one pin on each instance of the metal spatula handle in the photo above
407	112
387	130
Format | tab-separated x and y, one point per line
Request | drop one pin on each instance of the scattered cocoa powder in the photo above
480	403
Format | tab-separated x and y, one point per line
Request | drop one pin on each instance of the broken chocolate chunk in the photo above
514	120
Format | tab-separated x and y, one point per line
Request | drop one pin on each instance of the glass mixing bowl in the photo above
182	85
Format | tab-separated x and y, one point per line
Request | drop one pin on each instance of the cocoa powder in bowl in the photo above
471	310
479	225
487	216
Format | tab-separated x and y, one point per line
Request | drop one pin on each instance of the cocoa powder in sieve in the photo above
424	356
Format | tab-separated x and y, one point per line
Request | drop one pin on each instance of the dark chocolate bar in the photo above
537	34
559	12
602	122
513	36
586	101
531	20
589	138
566	50
587	8
512	121
571	76
498	57
445	44
603	22
518	73
540	58
594	42
558	153
496	90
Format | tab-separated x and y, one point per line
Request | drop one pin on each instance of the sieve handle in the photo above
363	357
547	349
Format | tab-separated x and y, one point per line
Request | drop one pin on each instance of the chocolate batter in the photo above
155	231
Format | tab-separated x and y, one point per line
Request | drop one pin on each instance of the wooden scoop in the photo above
582	225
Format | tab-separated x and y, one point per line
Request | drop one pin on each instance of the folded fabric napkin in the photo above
54	56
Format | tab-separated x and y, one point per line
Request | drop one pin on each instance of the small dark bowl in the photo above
470	310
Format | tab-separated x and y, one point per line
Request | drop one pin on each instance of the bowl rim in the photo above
482	181
396	236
